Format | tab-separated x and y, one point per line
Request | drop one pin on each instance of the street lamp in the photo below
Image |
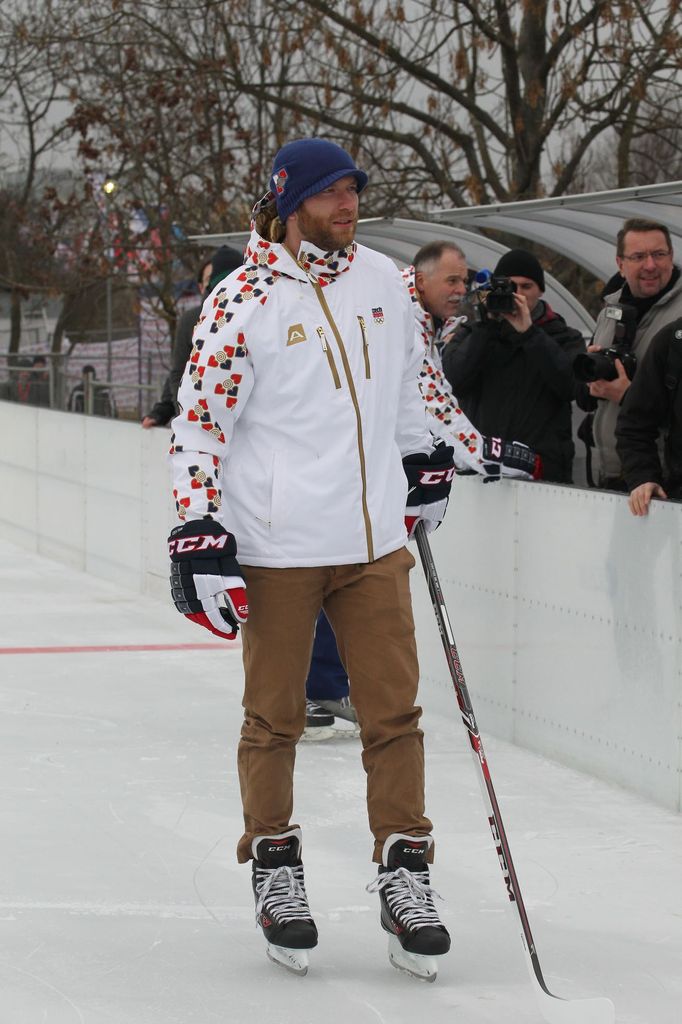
109	187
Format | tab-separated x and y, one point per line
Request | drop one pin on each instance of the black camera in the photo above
500	295
495	294
601	365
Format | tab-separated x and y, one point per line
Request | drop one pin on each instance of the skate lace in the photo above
284	890
409	896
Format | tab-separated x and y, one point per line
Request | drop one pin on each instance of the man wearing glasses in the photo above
650	297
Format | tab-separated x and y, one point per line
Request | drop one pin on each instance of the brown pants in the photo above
370	610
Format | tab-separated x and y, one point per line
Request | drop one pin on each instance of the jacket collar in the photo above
310	263
543	313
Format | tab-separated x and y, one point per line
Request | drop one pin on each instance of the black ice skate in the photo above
408	914
319	723
282	908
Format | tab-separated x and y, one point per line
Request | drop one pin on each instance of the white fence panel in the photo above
566	609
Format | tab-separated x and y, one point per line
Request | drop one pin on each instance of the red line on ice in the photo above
115	648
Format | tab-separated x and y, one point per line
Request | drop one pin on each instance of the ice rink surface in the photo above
120	898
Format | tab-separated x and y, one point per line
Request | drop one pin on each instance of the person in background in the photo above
436	284
30	381
649	297
40	382
327	689
651	410
223	261
20	379
91	396
513	371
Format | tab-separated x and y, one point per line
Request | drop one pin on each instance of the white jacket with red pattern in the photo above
298	403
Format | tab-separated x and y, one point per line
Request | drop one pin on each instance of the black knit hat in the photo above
223	261
521	263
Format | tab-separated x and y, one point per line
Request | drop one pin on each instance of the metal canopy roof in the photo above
582	228
401	239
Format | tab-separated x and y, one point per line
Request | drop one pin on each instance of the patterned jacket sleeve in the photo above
217	382
413	433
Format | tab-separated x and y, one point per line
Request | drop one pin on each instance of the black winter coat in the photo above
520	385
166	408
650	408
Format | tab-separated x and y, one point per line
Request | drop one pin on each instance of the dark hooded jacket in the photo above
520	385
652	407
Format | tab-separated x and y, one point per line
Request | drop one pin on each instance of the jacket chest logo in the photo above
377	315
296	334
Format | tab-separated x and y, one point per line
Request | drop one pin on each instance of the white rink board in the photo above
566	609
578	658
89	492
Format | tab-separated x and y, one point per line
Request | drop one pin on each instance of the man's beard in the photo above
323	235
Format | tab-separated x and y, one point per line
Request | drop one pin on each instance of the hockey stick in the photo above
554	1009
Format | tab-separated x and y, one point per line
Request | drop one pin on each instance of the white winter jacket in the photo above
297	405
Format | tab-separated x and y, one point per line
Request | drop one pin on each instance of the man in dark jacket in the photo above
512	372
89	396
653	406
223	261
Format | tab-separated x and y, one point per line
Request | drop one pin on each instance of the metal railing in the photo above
46	379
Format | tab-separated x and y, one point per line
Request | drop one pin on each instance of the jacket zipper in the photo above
365	347
330	357
358	418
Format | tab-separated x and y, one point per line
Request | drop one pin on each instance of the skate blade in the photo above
345	729
294	960
314	734
424	968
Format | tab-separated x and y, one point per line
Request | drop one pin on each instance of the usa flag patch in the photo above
279	180
378	315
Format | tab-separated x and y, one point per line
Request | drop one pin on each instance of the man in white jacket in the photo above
301	428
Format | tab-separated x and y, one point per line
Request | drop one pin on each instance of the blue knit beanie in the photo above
303	168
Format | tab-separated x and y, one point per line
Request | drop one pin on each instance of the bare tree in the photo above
183	104
649	152
42	207
180	143
447	102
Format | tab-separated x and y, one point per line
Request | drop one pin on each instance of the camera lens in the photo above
594	366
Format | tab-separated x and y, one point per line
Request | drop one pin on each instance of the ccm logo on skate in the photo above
432	477
201	543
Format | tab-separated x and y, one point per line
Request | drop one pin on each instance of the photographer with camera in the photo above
437	284
650	297
512	371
